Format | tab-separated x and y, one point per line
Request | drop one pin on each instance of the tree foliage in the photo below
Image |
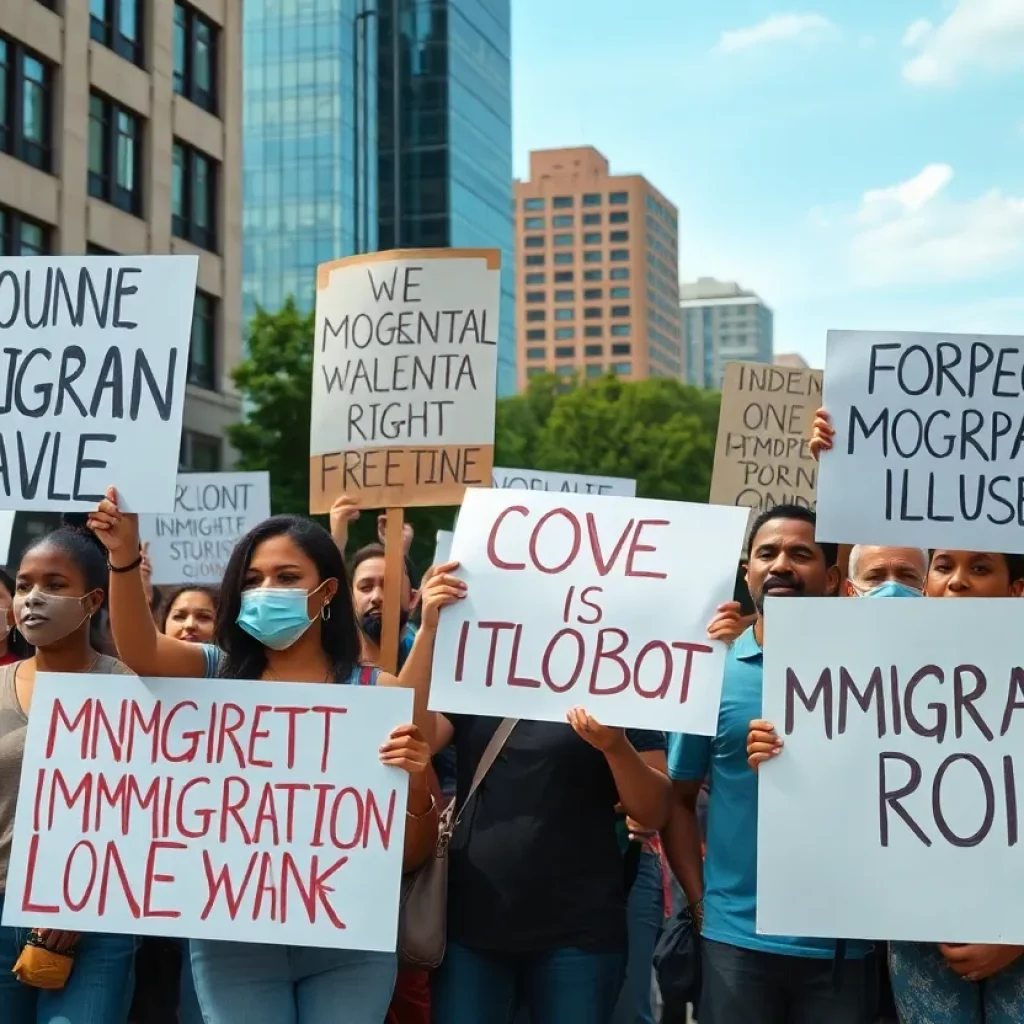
659	432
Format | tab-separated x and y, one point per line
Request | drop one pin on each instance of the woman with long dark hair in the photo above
13	646
285	615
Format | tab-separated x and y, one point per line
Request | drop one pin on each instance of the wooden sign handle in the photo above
394	569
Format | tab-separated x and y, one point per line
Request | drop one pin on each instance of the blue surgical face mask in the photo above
276	616
891	588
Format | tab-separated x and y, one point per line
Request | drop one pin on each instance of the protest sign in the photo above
92	379
443	547
567	483
903	725
584	600
248	811
211	511
404	376
929	437
762	453
6	530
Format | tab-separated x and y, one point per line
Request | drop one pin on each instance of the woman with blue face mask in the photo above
285	615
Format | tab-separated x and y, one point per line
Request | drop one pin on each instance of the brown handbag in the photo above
423	910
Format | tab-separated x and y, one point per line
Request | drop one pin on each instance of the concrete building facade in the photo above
722	321
597	271
120	133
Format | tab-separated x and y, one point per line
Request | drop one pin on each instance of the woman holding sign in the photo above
48	975
285	615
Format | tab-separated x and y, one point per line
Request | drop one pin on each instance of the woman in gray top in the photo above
61	584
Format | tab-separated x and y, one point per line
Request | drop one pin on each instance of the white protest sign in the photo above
405	366
247	811
929	445
443	547
6	530
584	600
903	724
92	379
211	511
571	483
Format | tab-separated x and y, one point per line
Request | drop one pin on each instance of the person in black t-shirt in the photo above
537	905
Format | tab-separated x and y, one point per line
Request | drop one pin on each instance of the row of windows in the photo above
568	202
561	240
536	259
569	351
591	369
564	333
567	313
568	276
565	220
569	294
26	86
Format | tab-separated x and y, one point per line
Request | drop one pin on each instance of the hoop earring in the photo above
325	612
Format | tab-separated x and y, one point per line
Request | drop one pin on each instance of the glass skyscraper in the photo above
334	89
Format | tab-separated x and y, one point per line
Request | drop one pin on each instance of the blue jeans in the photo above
566	986
645	916
99	990
248	983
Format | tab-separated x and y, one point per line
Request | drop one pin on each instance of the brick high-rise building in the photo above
597	271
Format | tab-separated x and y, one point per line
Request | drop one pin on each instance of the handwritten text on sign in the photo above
570	483
585	600
903	724
762	454
92	379
929	446
251	812
404	376
211	511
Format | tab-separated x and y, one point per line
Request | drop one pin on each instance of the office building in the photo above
333	90
120	128
722	321
597	271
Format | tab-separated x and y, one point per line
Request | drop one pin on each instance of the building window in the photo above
193	196
620	310
564	333
621	349
592	313
592	256
117	24
562	202
622	330
593	293
26	105
533	204
565	295
618	255
563	220
534	223
91	249
196	42
594	332
589	219
618	236
535	371
534	278
565	352
199	453
592	238
565	371
593	350
534	241
535	353
563	276
620	293
563	240
535	296
618	217
565	314
536	315
622	368
592	199
202	352
619	273
536	334
22	236
594	369
535	260
618	198
563	257
593	275
115	154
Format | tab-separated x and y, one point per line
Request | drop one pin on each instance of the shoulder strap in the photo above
489	756
367	675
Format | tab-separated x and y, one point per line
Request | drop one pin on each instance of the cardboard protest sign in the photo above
92	379
211	511
903	724
404	377
567	483
245	811
584	600
6	530
929	445
762	453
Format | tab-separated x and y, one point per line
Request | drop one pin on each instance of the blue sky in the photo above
859	164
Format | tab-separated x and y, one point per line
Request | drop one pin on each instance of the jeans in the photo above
99	990
566	986
753	987
248	983
645	915
928	992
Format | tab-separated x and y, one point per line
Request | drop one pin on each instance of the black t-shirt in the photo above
535	863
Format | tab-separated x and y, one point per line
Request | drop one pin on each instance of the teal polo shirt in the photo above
730	863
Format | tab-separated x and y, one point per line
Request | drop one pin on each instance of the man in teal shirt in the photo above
749	978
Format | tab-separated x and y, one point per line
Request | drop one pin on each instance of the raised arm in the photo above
140	645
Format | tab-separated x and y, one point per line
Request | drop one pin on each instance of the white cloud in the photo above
915	233
984	33
807	28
